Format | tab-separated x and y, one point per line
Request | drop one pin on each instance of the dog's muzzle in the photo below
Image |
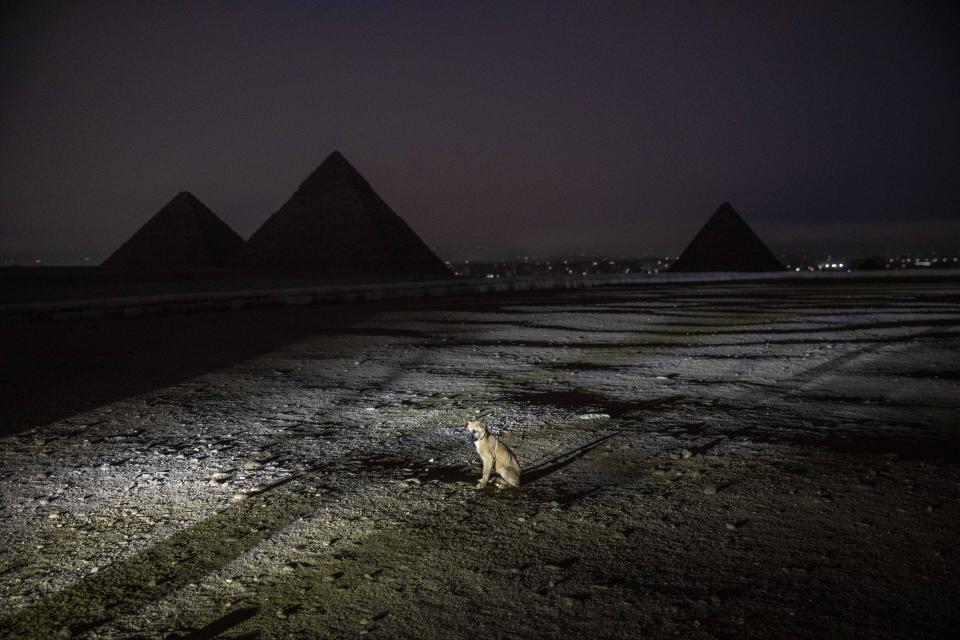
470	437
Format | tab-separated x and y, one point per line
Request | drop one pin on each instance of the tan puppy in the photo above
497	457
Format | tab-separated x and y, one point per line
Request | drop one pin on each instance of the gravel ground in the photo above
732	461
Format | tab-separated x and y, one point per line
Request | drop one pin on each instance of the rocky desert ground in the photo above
771	460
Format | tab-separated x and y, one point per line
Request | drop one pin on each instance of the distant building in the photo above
727	243
183	235
335	224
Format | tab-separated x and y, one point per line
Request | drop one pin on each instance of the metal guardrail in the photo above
134	306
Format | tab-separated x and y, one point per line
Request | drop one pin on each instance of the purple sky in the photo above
491	128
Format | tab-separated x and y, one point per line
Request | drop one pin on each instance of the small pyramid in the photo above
335	224
184	234
727	243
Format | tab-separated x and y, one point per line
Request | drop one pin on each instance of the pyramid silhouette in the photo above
336	224
727	243
184	234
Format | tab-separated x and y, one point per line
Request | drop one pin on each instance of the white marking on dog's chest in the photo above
477	444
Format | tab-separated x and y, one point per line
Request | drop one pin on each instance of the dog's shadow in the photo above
564	459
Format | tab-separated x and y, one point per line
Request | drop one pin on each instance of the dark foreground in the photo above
746	461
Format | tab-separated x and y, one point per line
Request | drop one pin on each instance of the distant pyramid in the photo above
727	243
184	234
336	224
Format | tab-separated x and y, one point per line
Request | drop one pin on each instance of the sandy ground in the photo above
748	461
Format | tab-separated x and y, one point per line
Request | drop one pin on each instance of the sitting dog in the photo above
496	456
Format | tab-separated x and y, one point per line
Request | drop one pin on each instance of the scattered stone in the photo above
687	454
220	478
710	490
595	416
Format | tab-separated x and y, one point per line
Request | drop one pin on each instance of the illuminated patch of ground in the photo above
746	461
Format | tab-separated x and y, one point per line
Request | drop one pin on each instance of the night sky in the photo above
492	129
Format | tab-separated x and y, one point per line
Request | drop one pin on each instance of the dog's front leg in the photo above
487	470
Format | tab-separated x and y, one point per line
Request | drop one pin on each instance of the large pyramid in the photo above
727	243
335	224
184	234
